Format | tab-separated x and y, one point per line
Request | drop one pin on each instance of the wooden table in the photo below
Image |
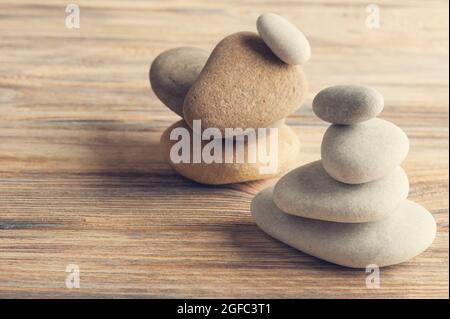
82	180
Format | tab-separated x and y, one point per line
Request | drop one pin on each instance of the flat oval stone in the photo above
232	172
283	38
244	85
348	104
403	235
173	72
308	191
363	152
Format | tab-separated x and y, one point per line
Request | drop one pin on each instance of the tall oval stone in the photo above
173	72
393	240
244	85
283	38
308	191
363	152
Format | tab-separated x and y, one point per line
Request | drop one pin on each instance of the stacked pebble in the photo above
249	81
350	208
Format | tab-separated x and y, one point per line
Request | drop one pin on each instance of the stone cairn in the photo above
249	81
349	208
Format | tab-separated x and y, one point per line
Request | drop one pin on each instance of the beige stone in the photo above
363	152
226	173
244	85
396	239
173	72
308	191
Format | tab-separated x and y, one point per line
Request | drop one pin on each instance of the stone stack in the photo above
351	207
249	81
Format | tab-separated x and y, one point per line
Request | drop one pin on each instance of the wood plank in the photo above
82	179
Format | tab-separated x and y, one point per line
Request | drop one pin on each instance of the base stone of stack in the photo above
226	173
396	239
308	191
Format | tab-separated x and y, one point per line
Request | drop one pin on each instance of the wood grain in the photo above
82	180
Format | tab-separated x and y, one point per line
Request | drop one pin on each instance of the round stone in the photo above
173	72
403	235
283	38
308	191
284	151
363	152
348	104
244	85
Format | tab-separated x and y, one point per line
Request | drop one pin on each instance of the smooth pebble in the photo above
363	152
348	104
405	234
173	72
244	85
283	38
308	191
225	173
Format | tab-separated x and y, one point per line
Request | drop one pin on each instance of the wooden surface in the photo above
82	180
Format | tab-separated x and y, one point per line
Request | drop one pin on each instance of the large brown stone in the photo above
243	84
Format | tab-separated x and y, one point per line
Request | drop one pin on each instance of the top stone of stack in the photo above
348	104
284	39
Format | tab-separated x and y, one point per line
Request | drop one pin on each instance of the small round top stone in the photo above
348	104
284	39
